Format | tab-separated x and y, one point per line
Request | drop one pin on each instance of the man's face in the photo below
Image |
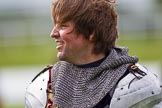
70	45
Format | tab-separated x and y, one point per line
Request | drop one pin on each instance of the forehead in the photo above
63	10
57	18
59	22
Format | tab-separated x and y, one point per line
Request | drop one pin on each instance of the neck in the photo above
88	59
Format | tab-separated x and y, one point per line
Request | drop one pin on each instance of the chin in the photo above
60	56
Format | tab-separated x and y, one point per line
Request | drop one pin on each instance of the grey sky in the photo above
6	4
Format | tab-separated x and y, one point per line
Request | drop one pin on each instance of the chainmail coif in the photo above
76	87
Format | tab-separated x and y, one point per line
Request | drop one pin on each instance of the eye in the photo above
63	26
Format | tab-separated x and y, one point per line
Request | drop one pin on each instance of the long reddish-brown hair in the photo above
97	17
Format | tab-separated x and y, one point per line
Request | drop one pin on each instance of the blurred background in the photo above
26	47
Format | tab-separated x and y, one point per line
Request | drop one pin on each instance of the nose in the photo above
54	33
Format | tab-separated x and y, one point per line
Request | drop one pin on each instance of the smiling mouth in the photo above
60	44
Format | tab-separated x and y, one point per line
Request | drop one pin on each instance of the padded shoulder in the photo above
36	96
130	92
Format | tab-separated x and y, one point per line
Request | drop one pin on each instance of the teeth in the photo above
59	45
59	41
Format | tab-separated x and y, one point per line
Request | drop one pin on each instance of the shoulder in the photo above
36	96
131	90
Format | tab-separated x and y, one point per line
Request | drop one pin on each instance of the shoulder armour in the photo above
36	92
139	88
48	67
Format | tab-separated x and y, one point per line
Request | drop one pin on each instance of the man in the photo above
92	72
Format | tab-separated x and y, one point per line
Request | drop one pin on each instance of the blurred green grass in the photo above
27	54
43	54
145	49
14	106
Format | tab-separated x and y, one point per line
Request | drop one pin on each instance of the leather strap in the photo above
50	94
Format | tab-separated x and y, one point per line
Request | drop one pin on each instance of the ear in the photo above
91	37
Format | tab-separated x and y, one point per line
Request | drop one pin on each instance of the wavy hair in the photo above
97	17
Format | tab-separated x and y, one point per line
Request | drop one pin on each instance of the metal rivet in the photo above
118	98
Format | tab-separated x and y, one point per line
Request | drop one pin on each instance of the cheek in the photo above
64	36
67	38
62	32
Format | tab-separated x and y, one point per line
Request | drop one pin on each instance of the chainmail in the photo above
76	87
